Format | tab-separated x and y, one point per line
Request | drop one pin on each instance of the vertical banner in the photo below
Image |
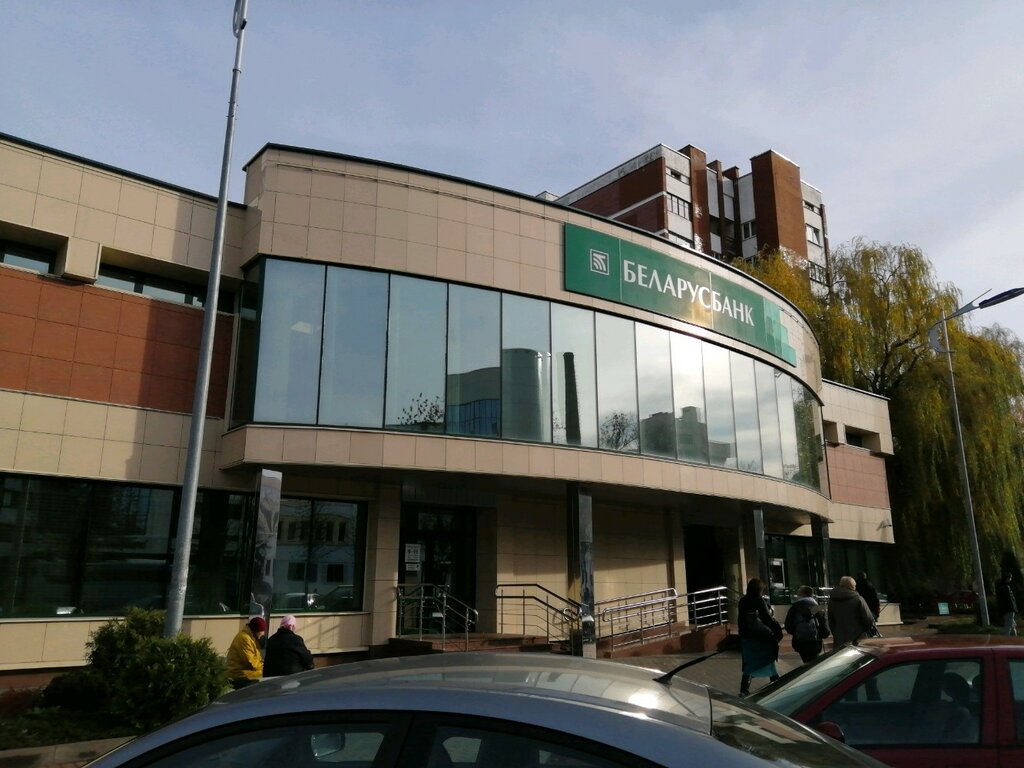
267	516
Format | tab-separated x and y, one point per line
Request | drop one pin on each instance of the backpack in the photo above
806	627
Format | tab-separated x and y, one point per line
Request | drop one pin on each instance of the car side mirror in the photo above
832	730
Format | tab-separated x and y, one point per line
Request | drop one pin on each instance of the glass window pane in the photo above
291	323
416	355
718	390
922	703
473	405
744	401
111	277
245	349
42	526
574	392
355	340
787	427
127	548
335	573
220	559
329	742
768	415
525	369
688	389
456	745
616	384
291	560
808	429
26	257
654	387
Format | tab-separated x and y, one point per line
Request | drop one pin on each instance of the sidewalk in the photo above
719	671
722	670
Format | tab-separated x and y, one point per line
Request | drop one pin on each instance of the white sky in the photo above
909	116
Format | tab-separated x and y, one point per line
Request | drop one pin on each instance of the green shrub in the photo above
81	690
166	679
120	639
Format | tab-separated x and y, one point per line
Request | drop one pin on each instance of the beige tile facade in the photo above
339	210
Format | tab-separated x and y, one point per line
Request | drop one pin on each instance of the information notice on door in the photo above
412	555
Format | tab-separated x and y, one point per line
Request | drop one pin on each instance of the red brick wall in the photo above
629	190
857	477
779	203
74	340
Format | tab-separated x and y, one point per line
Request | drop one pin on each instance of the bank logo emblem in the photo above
598	261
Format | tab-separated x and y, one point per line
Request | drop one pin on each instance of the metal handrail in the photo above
433	602
658	616
556	616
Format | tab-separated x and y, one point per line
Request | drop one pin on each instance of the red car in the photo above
933	701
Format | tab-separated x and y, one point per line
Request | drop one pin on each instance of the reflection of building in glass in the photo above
692	434
526	400
473	406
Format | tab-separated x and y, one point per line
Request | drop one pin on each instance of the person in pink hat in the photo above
245	663
286	651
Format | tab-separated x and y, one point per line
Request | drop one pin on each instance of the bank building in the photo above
468	412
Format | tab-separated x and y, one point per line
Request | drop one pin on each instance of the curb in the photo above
58	754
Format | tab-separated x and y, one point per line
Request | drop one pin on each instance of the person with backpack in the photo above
806	624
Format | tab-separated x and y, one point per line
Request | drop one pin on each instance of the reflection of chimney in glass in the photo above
572	406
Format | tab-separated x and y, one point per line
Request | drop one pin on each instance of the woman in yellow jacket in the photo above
245	662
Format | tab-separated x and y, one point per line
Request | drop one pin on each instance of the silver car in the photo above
485	711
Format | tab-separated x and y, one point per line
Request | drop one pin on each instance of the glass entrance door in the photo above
438	547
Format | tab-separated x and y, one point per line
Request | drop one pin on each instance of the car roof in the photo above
624	688
880	646
618	705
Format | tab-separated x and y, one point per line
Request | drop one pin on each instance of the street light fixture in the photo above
933	339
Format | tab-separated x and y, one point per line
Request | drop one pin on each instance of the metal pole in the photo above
979	578
186	513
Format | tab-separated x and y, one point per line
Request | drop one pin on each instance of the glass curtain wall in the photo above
617	413
574	421
417	322
413	354
654	390
525	369
291	326
352	369
473	391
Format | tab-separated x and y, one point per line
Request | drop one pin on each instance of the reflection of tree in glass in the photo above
423	412
619	431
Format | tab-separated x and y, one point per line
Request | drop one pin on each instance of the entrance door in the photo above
705	566
444	540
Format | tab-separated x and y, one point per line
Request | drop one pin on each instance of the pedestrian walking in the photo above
849	617
244	660
1006	601
806	624
867	590
759	634
286	651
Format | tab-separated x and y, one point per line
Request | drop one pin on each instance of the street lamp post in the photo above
190	486
933	337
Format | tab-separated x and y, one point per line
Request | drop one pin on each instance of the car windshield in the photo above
804	684
774	738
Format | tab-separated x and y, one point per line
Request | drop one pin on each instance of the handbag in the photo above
757	628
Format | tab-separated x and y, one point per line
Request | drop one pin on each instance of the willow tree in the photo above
872	318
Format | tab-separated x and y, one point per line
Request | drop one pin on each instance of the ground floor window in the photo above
76	547
321	548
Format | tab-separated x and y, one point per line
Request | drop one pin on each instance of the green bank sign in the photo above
603	266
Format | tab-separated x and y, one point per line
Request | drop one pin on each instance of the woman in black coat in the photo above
759	636
286	652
